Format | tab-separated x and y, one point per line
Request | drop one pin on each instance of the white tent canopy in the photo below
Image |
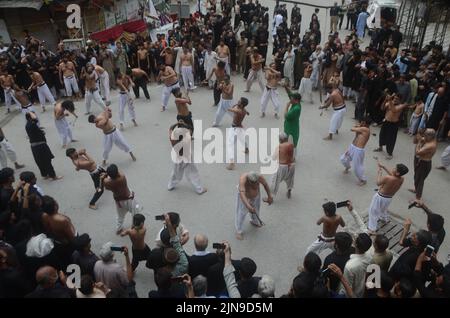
33	4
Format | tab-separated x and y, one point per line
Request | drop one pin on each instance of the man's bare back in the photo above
286	153
330	224
118	187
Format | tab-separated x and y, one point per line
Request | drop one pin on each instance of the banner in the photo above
110	18
121	11
132	10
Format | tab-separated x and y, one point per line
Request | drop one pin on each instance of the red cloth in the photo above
116	31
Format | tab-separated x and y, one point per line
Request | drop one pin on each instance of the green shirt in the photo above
292	122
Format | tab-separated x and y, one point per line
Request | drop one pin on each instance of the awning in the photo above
33	4
116	31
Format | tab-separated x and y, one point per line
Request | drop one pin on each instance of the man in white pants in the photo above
43	91
67	75
187	61
209	64
337	100
256	72
226	100
7	83
388	187
330	223
445	158
223	54
103	77
62	126
182	162
249	200
355	152
116	182
91	89
236	131
124	83
168	76
111	134
305	89
270	91
285	156
24	102
7	152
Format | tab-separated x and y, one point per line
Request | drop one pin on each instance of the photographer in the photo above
439	278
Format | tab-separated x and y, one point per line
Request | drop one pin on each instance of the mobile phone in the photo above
178	279
429	250
218	246
117	248
342	204
325	272
160	217
412	204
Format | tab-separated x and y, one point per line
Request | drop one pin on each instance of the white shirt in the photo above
355	273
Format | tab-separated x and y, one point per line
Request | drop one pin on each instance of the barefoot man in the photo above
337	101
255	71
236	131
61	111
103	77
270	92
111	134
67	76
330	223
249	200
183	112
187	62
124	83
388	187
219	72
43	91
425	150
90	85
116	182
170	79
179	136
83	161
226	100
284	153
7	83
140	79
355	152
223	54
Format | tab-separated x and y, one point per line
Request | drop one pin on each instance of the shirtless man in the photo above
83	161
236	131
255	71
182	159
388	187
223	54
44	94
389	128
249	200
143	58
226	100
415	118
116	182
140	79
270	91
24	102
111	134
219	72
170	79
61	111
355	152
306	84
90	85
103	76
67	75
183	112
284	154
330	223
7	152
137	233
337	101
169	56
124	82
58	226
7	83
425	149
187	62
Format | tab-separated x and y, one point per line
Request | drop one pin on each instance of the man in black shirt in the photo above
41	152
248	285
49	286
201	260
12	283
343	248
83	256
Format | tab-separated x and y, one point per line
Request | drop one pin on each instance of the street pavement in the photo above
278	247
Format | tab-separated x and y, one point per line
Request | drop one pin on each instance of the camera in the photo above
160	217
117	248
218	246
342	204
429	250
